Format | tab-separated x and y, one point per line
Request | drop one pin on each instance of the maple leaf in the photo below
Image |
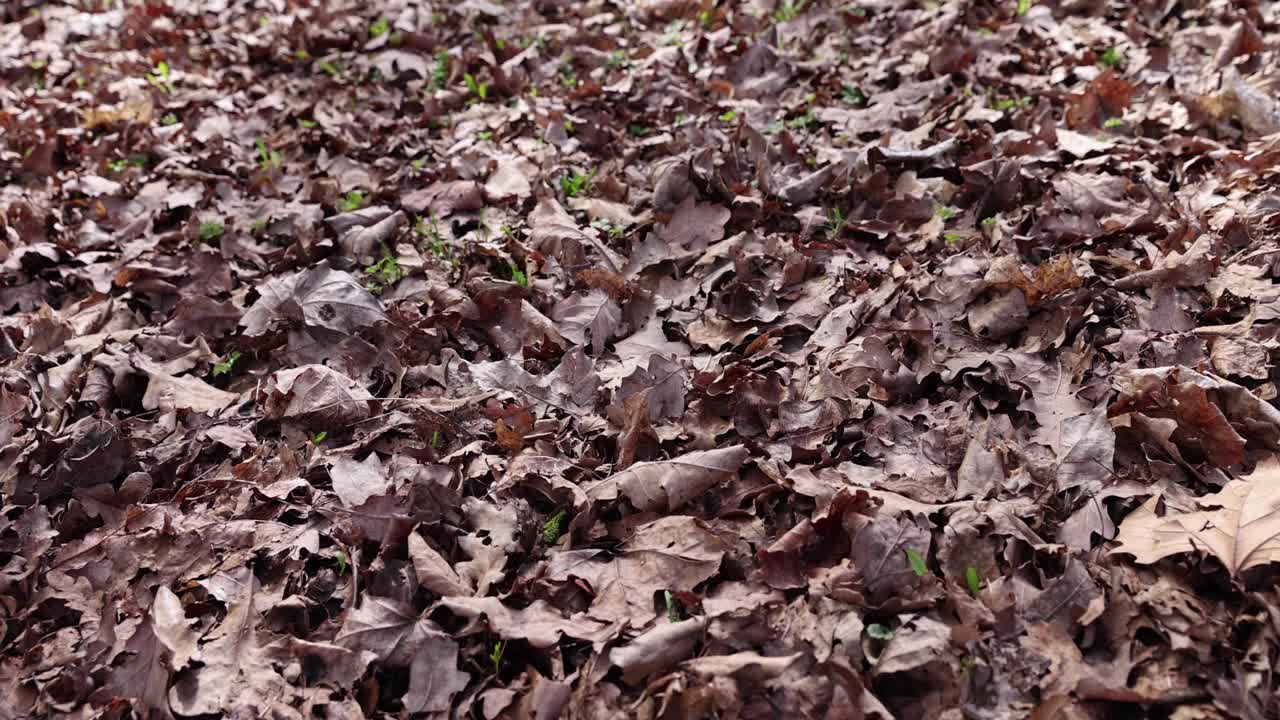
1239	525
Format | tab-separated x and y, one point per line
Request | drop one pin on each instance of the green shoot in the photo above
853	95
268	159
880	632
329	68
306	124
1111	58
971	579
728	116
169	119
117	165
227	366
342	562
802	121
1024	7
637	130
495	655
946	213
553	528
673	608
788	10
319	437
1003	104
574	183
614	231
517	275
440	73
479	89
435	439
379	28
953	238
353	200
672	34
385	273
916	562
989	221
1112	123
617	60
159	77
484	135
258	225
835	222
210	231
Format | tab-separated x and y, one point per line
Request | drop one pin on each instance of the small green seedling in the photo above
353	200
379	28
227	366
1112	123
117	165
944	212
553	528
971	579
638	130
618	60
268	159
989	222
306	124
484	135
613	231
258	225
1024	7
435	439
159	77
478	89
342	562
329	68
853	95
517	275
673	607
574	183
1111	58
1003	104
880	632
728	116
319	437
169	119
953	238
440	73
835	222
495	655
788	10
916	562
672	34
803	121
385	273
210	231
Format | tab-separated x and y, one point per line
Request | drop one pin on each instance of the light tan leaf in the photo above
668	484
1239	525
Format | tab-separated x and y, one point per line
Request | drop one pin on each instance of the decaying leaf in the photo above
1239	525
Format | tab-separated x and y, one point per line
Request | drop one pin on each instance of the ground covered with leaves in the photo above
660	360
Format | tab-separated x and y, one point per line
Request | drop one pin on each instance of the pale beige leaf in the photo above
1239	525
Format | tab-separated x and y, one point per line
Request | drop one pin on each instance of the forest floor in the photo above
641	360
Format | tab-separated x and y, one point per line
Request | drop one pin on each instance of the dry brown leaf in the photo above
1240	525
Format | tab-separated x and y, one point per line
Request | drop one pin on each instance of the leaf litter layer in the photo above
657	359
